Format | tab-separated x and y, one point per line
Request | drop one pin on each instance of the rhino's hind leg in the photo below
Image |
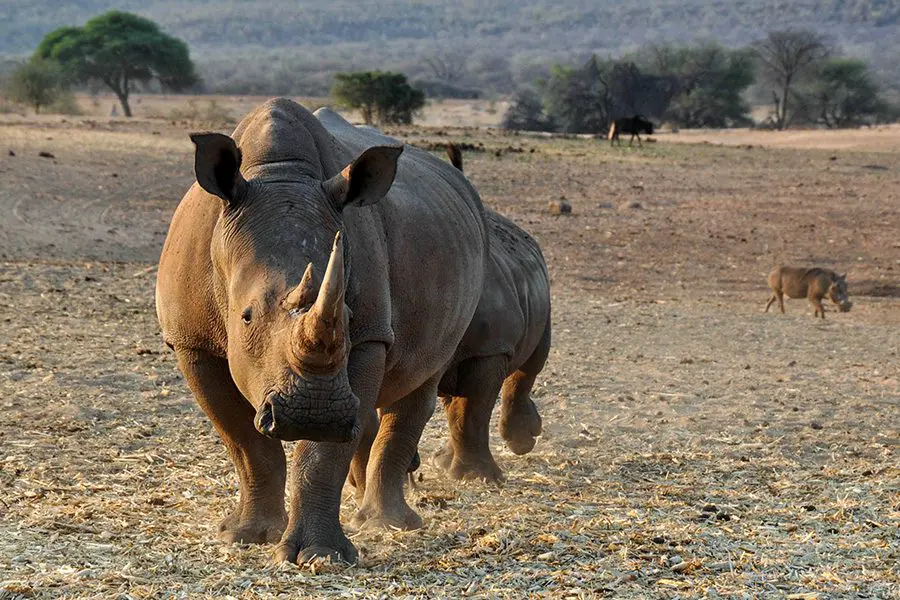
260	516
520	422
468	453
395	447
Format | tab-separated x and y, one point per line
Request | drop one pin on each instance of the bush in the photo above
526	113
37	83
383	97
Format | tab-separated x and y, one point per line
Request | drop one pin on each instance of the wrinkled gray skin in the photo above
286	329
812	284
503	350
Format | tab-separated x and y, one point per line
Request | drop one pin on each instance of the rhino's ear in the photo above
217	164
844	277
367	179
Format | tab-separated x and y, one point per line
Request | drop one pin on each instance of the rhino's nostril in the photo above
265	418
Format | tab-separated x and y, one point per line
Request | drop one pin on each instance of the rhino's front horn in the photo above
329	306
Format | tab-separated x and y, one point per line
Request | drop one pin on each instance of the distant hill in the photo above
262	42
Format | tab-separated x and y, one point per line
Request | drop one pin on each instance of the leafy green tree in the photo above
121	49
706	83
382	97
38	83
844	94
578	99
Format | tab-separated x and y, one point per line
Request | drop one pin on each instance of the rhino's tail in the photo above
455	155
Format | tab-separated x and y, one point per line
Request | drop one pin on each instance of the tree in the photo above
121	49
785	57
381	96
705	83
578	99
844	94
38	83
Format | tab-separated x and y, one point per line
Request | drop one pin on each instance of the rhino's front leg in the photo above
259	461
392	454
319	472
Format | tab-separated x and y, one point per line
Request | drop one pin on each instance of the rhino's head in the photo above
837	293
280	267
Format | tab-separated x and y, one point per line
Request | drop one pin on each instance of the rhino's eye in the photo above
247	315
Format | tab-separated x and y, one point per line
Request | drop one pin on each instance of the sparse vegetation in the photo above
295	47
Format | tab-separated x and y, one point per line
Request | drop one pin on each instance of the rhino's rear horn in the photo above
303	294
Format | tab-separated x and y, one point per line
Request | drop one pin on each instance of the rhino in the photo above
310	277
813	284
502	352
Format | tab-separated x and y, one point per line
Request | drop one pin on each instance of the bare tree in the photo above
786	56
448	68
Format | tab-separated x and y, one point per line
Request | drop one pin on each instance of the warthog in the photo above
635	126
812	284
311	276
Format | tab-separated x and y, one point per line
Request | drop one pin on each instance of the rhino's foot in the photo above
241	528
400	517
476	468
290	552
520	426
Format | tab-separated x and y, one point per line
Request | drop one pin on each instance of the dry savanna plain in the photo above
694	446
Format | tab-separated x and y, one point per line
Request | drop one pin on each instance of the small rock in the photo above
710	508
674	560
11	153
792	363
659	540
815	425
546	556
633	205
809	507
559	207
680	567
44	154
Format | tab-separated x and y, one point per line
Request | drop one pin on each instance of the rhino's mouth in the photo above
301	417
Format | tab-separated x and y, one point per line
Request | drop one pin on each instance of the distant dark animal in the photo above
635	125
812	284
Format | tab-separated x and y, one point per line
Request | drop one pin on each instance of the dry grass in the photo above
694	447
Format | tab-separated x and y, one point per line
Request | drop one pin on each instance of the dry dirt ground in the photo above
694	447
